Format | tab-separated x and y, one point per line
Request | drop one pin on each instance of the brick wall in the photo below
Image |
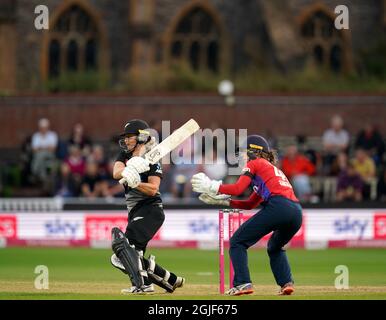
104	116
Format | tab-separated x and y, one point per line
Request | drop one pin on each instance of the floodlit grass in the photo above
87	274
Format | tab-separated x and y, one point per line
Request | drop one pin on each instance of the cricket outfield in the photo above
84	273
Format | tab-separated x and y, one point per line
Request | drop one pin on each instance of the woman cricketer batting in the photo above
145	213
281	214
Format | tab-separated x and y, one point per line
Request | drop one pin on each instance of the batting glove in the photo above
131	177
139	164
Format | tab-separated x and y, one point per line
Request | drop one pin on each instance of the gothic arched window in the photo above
324	42
196	39
73	43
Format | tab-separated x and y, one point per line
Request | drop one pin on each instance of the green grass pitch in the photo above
87	274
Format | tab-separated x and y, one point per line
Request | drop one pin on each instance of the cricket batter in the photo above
281	214
145	213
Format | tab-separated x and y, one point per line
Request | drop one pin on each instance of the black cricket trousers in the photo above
144	219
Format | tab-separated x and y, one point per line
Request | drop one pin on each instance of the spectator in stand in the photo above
381	187
80	139
66	185
44	143
76	163
308	151
93	185
184	170
371	140
26	161
115	189
340	164
298	170
335	140
365	167
98	155
182	174
350	185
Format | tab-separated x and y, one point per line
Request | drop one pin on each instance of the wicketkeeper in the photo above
145	213
281	213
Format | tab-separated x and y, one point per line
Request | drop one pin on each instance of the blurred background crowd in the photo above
103	61
337	166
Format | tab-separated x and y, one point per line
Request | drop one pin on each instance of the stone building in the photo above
115	36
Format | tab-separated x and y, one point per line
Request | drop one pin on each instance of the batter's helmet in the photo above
134	127
137	128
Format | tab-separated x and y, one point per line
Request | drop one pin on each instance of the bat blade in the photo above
171	142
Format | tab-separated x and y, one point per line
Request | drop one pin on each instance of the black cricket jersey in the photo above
132	195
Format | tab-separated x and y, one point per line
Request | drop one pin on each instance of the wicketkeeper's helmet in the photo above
254	145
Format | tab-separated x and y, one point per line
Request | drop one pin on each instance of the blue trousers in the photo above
284	218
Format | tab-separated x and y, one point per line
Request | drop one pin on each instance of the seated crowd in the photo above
355	163
78	167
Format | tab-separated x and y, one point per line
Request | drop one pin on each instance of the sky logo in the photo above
58	227
354	226
203	226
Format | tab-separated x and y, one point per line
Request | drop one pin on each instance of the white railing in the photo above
31	204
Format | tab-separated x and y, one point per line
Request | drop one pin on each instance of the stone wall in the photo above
365	18
244	23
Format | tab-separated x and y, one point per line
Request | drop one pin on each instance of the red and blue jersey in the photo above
266	180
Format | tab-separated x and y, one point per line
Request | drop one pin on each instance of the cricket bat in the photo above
170	143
